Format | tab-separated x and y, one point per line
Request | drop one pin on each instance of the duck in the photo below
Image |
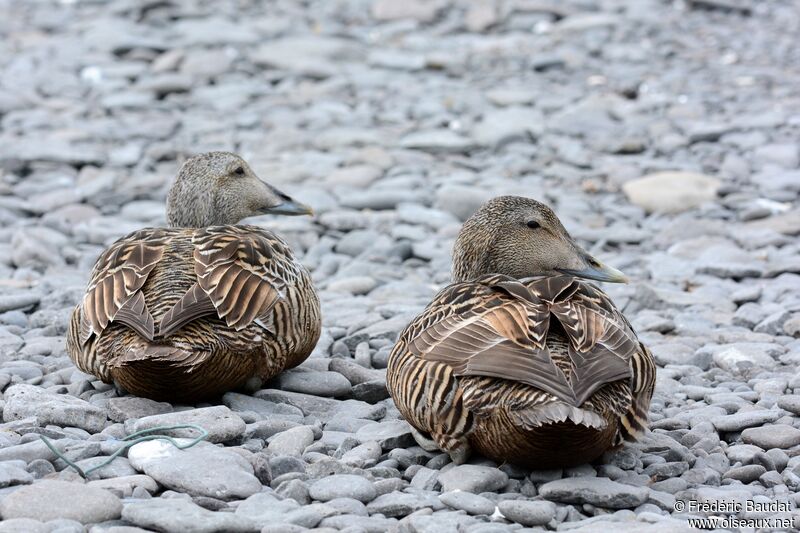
187	312
521	358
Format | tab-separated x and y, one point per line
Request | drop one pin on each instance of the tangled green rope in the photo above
131	440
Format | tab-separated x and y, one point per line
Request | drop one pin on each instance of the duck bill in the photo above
597	272
289	208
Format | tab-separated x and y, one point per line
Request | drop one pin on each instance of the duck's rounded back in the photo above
188	312
519	359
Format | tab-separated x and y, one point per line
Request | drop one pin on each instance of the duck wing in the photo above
498	327
241	273
491	327
114	291
602	343
643	383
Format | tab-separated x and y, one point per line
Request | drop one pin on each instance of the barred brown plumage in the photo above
186	313
517	360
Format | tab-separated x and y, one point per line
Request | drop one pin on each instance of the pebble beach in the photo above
664	134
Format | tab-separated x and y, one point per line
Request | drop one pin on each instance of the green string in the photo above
139	436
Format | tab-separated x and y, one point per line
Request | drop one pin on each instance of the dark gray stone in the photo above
599	492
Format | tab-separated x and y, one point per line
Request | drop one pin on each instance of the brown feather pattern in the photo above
505	366
179	313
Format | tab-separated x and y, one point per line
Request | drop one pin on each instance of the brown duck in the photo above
519	359
190	311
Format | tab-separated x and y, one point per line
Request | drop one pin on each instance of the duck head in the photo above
520	237
220	188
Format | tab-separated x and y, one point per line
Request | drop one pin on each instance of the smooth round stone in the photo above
790	402
473	478
745	474
318	383
671	192
389	434
775	436
743	420
394	504
283	464
221	423
348	506
52	499
63	525
466	501
26	525
292	441
343	486
528	513
742	453
127	407
364	455
178	514
283	528
23	401
596	491
353	284
202	470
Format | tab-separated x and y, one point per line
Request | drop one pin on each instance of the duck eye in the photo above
239	171
533	224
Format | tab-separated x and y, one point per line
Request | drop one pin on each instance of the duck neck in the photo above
471	259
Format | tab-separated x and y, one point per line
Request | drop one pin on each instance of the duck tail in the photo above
144	351
555	412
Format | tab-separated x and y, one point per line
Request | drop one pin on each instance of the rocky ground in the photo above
665	135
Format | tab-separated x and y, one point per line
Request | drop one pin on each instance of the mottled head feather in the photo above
518	237
219	188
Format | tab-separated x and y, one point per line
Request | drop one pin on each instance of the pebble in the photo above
343	486
269	410
364	455
388	435
52	499
743	420
23	401
502	126
386	10
264	509
396	121
437	141
14	474
328	384
202	470
220	422
599	492
790	402
670	192
177	514
27	525
466	501
122	409
745	474
292	441
774	436
527	513
460	201
473	478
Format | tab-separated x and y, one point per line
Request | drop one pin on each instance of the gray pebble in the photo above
473	478
343	486
775	436
595	491
528	513
52	499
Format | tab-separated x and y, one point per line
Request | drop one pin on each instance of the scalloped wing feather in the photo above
119	274
498	327
242	270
